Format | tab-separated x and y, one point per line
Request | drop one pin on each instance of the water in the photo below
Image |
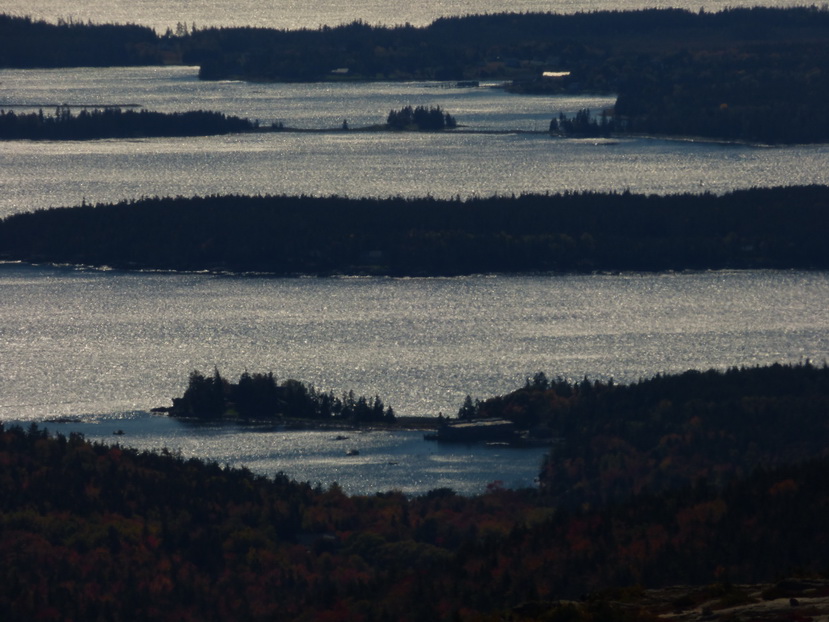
400	460
45	174
291	14
105	347
109	346
75	342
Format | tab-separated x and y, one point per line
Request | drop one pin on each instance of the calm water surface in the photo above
386	461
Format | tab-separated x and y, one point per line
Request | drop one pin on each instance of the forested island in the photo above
420	118
261	397
114	122
117	122
777	228
752	74
91	531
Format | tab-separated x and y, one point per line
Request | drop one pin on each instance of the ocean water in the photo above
520	158
104	347
293	14
76	342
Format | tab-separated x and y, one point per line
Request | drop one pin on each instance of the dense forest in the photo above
90	531
420	118
572	232
117	123
755	74
26	43
667	431
261	397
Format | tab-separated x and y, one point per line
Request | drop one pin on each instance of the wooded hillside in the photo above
89	531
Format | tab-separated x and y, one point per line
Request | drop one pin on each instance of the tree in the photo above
469	410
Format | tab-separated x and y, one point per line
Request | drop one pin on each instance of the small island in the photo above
121	122
420	119
115	122
261	397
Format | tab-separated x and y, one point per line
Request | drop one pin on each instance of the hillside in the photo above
91	531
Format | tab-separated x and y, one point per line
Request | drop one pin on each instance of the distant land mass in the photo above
93	123
774	228
113	122
748	74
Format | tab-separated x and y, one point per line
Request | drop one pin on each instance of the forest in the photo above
667	431
748	74
261	397
117	123
780	228
420	118
97	531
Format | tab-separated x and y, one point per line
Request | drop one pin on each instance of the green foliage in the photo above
571	232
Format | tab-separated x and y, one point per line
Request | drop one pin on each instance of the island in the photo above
117	122
746	74
92	123
261	397
772	228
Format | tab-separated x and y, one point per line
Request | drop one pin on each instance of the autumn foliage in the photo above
90	531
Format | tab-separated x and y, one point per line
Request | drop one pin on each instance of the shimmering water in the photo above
74	342
400	460
163	14
44	174
109	346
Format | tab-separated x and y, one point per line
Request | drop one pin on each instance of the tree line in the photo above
583	125
571	232
259	396
114	122
752	74
27	43
420	118
668	431
97	531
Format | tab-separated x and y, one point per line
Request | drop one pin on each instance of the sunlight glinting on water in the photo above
356	164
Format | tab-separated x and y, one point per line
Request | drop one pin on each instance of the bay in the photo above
521	158
78	341
104	347
364	462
